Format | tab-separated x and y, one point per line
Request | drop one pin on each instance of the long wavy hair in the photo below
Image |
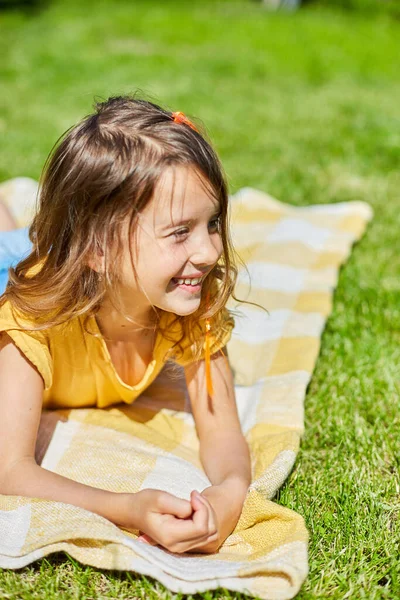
101	172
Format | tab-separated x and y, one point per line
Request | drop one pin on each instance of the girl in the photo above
129	265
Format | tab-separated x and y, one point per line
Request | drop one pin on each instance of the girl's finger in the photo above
189	530
203	512
172	505
211	520
146	539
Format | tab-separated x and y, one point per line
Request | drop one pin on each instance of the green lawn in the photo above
305	106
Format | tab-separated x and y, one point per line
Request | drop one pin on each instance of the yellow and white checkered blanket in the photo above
293	256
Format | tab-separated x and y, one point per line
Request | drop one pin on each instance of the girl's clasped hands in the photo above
179	525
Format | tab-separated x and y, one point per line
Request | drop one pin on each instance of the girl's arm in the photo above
223	449
21	394
161	515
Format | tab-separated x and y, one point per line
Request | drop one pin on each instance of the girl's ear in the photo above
96	259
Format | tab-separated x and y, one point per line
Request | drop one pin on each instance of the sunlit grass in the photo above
305	106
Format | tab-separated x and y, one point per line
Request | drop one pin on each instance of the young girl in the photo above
128	264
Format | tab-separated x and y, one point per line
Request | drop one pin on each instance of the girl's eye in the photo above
215	223
180	233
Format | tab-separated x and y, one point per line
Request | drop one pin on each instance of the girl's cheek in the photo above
177	253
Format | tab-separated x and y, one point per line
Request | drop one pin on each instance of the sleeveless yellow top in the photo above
76	366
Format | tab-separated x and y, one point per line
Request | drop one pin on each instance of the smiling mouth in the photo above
190	281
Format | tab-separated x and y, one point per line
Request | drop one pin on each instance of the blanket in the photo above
292	257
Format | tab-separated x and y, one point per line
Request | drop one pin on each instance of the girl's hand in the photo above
226	500
223	503
177	525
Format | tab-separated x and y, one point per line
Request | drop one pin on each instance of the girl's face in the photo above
176	238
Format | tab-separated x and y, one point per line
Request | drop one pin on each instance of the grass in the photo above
306	107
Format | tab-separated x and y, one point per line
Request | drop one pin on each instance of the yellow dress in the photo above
76	367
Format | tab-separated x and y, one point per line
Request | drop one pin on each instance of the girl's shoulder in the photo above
34	344
10	317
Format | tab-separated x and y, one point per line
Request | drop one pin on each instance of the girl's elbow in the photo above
13	475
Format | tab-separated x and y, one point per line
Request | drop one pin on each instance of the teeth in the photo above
194	281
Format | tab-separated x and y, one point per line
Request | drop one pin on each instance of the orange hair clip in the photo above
207	359
180	117
207	352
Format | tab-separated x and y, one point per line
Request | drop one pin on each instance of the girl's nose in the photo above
207	251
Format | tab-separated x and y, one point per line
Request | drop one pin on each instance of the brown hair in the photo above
100	172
